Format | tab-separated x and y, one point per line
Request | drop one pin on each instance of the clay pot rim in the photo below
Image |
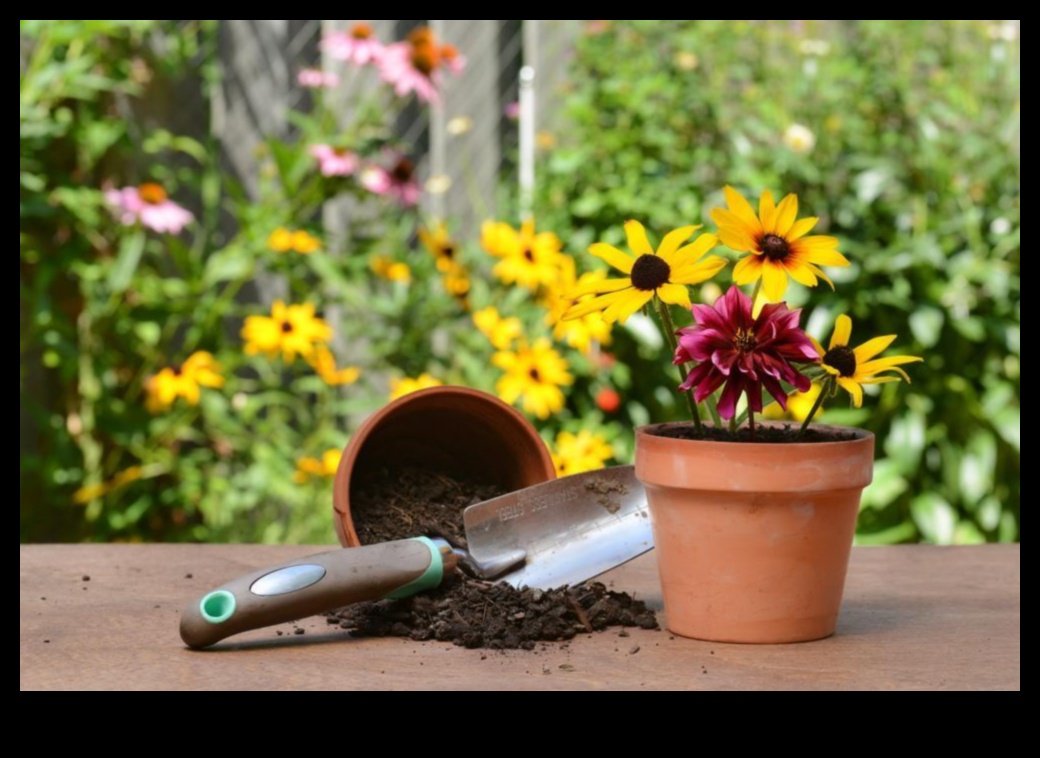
859	435
352	450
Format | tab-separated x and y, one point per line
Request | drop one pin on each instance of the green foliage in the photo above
111	312
915	167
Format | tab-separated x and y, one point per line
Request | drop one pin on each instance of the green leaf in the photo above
129	256
935	517
232	262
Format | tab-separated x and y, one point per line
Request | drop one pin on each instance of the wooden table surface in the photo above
914	617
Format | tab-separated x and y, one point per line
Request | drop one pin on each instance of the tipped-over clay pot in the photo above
459	431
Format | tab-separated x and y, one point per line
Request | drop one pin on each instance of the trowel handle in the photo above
316	584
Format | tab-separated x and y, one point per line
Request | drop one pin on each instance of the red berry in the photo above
608	400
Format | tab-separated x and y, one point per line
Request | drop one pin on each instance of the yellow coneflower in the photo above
501	332
665	273
290	330
533	376
442	247
584	451
319	468
199	370
776	239
324	364
854	367
406	385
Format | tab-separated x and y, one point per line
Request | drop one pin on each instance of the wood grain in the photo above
914	617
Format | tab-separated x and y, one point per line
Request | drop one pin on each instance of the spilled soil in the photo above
464	610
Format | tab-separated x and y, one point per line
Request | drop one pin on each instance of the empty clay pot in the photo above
753	539
457	430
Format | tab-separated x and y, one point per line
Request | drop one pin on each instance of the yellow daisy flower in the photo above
456	283
290	330
500	331
777	243
305	243
854	367
529	259
390	270
534	375
441	246
580	333
406	386
319	468
282	240
324	364
584	451
664	273
199	370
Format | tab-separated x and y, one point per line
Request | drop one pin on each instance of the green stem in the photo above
751	418
669	333
754	294
824	392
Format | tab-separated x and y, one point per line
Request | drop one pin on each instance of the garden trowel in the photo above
550	535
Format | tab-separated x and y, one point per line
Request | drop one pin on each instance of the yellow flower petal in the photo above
870	348
694	251
738	240
853	389
596	304
816	343
767	211
820	275
698	272
613	256
786	213
598	286
800	272
748	269
801	227
676	294
742	208
673	240
842	332
637	240
819	249
774	281
630	302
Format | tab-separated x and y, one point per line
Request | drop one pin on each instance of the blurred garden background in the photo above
237	238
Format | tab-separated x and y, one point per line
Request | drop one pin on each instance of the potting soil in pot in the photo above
395	504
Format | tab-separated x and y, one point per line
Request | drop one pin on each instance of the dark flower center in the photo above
286	327
649	272
424	59
533	373
842	359
403	170
177	370
529	255
744	341
361	31
774	248
448	251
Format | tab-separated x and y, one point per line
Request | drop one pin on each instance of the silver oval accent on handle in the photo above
288	579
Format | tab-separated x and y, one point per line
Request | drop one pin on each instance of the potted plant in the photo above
753	522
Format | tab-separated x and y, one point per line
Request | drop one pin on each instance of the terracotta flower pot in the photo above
456	430
753	539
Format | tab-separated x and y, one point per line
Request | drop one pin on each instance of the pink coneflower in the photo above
334	161
315	78
150	205
398	182
512	110
415	65
742	352
359	45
